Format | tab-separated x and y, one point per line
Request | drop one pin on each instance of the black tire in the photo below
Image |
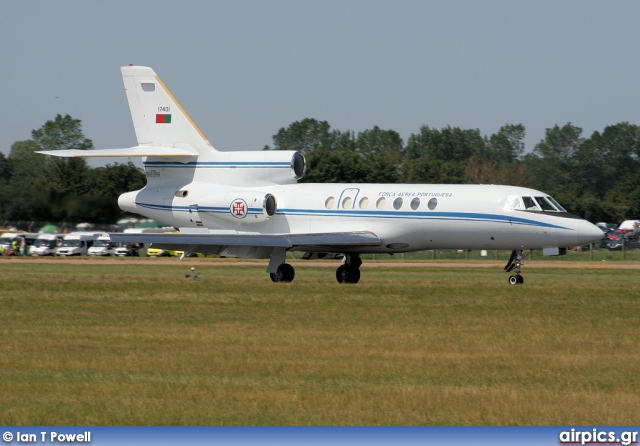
285	273
289	272
516	279
346	274
355	275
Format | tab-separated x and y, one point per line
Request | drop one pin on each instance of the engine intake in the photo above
298	165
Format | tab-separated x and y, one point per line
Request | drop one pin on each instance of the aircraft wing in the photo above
137	151
329	241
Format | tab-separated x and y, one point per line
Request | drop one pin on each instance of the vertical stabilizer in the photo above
158	119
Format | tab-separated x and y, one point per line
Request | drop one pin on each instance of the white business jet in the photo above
250	204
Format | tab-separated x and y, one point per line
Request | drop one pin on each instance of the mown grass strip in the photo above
144	345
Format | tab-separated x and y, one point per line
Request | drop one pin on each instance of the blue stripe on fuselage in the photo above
353	213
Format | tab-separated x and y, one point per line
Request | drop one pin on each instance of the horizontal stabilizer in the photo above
137	151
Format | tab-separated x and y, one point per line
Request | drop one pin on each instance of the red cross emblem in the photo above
239	208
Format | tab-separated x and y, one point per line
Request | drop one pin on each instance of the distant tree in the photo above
560	143
26	165
5	169
337	166
624	198
105	185
66	175
432	171
385	167
63	133
377	141
448	144
24	198
551	163
507	145
5	176
609	157
479	171
115	179
304	136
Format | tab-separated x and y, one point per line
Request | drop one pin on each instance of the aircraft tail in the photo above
176	151
158	119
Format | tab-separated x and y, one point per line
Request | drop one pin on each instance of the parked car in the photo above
9	240
630	242
45	245
607	227
78	243
131	250
617	234
157	252
102	246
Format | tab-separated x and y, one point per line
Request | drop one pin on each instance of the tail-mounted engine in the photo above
255	169
240	206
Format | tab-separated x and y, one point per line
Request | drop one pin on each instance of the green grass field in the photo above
140	344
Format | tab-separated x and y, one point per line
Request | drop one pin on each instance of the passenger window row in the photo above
381	203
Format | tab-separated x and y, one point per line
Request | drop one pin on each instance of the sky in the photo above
243	69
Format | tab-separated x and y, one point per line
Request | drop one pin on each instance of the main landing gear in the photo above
285	273
514	264
349	271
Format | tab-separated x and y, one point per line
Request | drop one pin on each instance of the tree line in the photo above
596	177
40	188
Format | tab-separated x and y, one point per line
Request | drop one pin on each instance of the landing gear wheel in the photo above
347	274
516	279
285	273
515	263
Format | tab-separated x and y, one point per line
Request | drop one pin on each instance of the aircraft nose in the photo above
588	233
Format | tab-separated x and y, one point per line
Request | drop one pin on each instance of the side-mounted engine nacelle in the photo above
240	206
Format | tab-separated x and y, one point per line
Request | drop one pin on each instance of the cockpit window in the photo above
530	204
546	204
556	204
513	202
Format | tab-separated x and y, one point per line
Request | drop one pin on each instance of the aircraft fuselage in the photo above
406	217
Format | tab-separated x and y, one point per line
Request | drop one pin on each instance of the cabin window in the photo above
432	203
397	203
415	203
364	202
381	202
329	202
346	203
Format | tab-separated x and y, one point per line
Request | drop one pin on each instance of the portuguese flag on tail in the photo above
163	119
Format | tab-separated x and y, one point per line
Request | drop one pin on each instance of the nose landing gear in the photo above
514	264
516	279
